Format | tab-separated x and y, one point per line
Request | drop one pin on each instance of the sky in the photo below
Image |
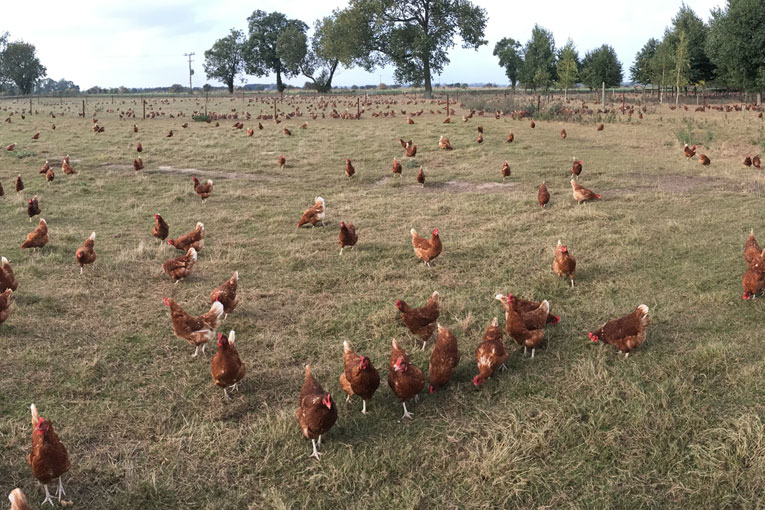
142	43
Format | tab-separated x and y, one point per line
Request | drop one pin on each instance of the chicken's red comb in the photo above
220	335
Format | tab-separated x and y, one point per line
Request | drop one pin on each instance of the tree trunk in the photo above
230	84
759	98
279	84
565	94
426	71
328	84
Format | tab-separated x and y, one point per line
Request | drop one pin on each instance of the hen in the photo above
33	207
195	330
226	367
48	458
411	151
19	184
748	160
421	177
443	360
18	500
756	162
543	196
7	279
5	304
490	354
600	127
420	321
582	194
38	237
443	143
396	167
317	412
510	137
626	333
348	236
137	164
85	254
424	249
405	379
160	230
66	168
753	281
576	167
281	161
564	263
314	214
139	147
532	124
226	294
689	151
203	190
49	175
44	168
563	134
359	376
752	252
704	159
526	327
194	239
180	267
349	170
506	170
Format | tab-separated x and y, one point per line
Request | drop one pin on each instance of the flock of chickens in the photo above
525	320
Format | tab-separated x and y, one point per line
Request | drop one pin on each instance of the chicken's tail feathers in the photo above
17	499
545	306
92	236
435	294
236	276
35	414
347	346
231	337
200	225
413	232
217	308
559	243
645	318
209	181
495	322
394	344
193	253
751	232
319	199
4	261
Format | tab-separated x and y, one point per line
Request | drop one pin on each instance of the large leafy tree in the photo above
700	68
662	63
260	50
567	67
736	44
225	60
416	35
510	57
601	65
641	68
682	68
21	66
538	70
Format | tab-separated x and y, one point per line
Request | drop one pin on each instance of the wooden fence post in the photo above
83	108
144	109
603	95
448	111
274	108
358	108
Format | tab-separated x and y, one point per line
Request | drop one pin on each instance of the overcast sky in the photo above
141	43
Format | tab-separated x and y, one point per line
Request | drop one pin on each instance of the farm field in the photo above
677	424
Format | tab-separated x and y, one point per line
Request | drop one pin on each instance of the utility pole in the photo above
191	71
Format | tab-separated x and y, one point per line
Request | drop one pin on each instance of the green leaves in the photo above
538	69
225	60
510	57
601	65
567	66
19	64
260	50
736	44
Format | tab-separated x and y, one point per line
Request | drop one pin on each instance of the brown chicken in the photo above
404	145
752	251
195	330
349	170
564	263
411	151
194	239
44	168
748	160
316	413
526	327
314	214
5	304
359	376
38	237
48	458
396	167
506	170
33	207
405	379
704	159
563	134
582	194
524	306
281	161
443	143
753	281
600	127
180	267
203	190
169	134
510	137
19	184
18	500
420	321
348	236
532	124
424	249
65	167
490	354
226	367
10	147
287	131
226	294
480	138
409	120
576	167
7	278
49	175
250	131
137	164
86	254
543	196
443	360
139	147
689	151
756	162
421	177
160	230
626	333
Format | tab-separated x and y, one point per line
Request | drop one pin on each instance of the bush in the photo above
201	118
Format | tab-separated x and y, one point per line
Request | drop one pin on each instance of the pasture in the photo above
678	424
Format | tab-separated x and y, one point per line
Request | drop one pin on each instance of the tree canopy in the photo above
700	68
510	57
567	66
225	60
21	66
260	49
538	69
601	65
641	68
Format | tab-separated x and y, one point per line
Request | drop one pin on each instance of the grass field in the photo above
678	424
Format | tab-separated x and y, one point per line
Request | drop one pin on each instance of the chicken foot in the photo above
60	491
48	497
407	414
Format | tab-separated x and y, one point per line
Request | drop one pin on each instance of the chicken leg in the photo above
315	450
48	497
225	394
407	414
60	491
572	283
364	407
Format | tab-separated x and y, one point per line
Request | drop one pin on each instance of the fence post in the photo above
539	99
622	103
83	108
358	108
144	109
448	111
603	95
30	106
274	108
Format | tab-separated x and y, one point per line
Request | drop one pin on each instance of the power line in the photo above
191	71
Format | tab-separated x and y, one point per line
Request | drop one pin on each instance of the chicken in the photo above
526	327
447	120
420	321
86	254
748	160
5	304
281	161
348	236
576	167
506	170
480	138
752	251
226	294
287	131
19	184
7	279
48	458
195	330
421	177
18	500
405	145
443	143
260	126
582	194
443	360
409	120
304	125
65	167
490	354
359	376
316	413
411	151
600	127
33	207
194	239
38	237
180	267
135	128
314	214
480	129
405	379
226	367
689	151
564	263
704	159
626	333
203	190
543	196
524	306
169	134
349	170
137	164
2	192
424	249
753	281
49	175
160	230
396	167
533	124
756	162
44	168
10	147
563	134
510	137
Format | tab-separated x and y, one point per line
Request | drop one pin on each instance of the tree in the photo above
701	69
538	68
21	66
601	65
225	60
736	44
176	88
509	52
567	67
260	49
662	63
415	35
682	63
641	69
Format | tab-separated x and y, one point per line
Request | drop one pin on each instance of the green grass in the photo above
678	424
